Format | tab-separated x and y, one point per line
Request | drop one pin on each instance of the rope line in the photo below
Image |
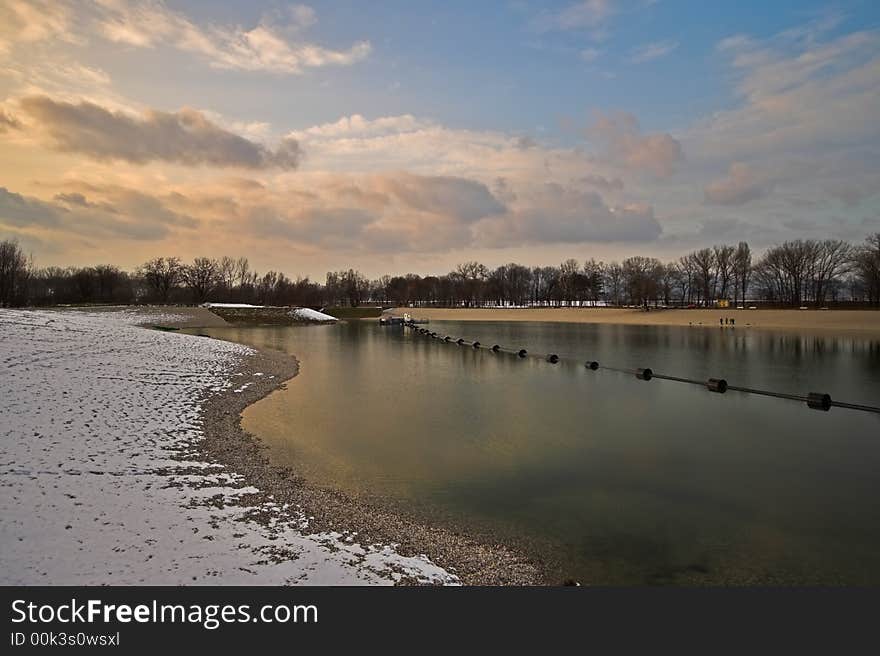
813	400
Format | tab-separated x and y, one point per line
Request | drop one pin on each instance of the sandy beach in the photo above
805	321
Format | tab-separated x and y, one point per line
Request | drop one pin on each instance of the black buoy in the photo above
447	339
522	353
460	341
552	358
644	374
819	401
717	385
433	334
495	348
476	345
591	364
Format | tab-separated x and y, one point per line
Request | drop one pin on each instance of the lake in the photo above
616	480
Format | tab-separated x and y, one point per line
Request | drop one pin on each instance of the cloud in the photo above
601	182
115	212
17	210
326	227
558	214
652	51
851	193
658	154
465	200
358	126
590	54
183	137
797	94
585	14
270	46
741	185
343	213
8	121
28	21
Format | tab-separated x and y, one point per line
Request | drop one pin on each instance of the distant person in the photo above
720	321
732	321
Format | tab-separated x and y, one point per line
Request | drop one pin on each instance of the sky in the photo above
409	135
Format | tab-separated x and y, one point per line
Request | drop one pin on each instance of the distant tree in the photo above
226	273
614	283
355	286
594	273
724	266
742	269
866	266
201	277
15	270
569	273
833	259
668	281
545	285
162	275
642	278
704	268
687	271
784	269
469	278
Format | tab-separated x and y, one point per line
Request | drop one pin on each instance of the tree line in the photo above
818	272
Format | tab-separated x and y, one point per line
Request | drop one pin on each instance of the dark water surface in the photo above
622	481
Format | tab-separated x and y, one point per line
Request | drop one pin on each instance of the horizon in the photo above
412	137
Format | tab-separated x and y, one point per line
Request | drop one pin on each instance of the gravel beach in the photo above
474	561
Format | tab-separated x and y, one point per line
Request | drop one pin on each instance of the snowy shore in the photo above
100	484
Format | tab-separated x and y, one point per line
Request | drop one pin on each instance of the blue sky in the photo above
490	65
350	133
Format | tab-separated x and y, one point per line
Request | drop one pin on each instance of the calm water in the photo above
618	480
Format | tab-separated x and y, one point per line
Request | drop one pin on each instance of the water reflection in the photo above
626	481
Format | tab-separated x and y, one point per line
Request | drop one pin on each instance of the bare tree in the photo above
642	276
243	274
723	268
704	265
226	272
201	277
594	273
614	282
15	270
784	270
354	286
742	270
162	274
833	259
568	279
686	274
866	264
470	277
669	275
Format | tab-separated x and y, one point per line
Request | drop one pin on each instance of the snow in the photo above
230	305
98	481
308	314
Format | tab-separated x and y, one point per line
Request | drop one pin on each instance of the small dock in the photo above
400	321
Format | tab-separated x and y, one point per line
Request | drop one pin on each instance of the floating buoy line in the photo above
813	400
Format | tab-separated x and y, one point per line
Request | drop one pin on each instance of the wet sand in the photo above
804	321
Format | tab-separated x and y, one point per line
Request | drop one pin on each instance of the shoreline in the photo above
473	560
100	459
808	322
